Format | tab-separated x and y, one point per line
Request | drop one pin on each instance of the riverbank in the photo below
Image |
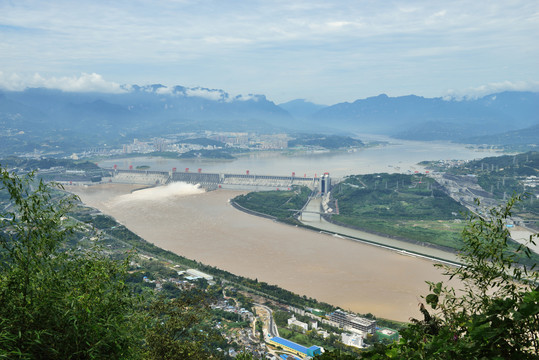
433	253
205	227
400	245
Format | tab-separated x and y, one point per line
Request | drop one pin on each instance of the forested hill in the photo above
418	118
413	207
69	121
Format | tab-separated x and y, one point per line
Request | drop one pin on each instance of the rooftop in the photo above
292	345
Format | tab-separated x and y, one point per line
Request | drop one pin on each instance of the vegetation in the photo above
408	206
510	140
57	303
207	154
501	177
62	302
496	174
279	204
325	141
177	329
50	169
495	316
47	163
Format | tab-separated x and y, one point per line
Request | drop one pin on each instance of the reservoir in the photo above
204	226
397	156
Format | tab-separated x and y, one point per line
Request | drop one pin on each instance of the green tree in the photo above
244	356
177	329
57	303
335	355
494	316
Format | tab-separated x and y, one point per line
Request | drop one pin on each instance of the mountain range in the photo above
39	117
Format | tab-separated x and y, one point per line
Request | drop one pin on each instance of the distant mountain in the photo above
301	109
70	121
324	141
37	118
525	136
418	118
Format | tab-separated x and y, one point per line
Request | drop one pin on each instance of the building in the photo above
323	333
354	340
300	324
295	348
318	312
346	320
198	274
289	357
388	334
325	183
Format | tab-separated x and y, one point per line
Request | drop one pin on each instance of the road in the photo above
272	330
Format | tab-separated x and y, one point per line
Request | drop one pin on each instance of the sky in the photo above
319	50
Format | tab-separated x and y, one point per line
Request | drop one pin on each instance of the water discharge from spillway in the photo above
170	192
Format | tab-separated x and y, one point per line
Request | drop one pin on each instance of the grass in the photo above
439	232
296	337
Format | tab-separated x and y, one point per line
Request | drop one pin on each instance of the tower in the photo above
325	183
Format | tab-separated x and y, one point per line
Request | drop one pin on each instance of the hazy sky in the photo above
324	51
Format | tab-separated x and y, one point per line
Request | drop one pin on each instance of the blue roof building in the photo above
295	348
288	357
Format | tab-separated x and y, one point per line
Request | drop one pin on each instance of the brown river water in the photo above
205	227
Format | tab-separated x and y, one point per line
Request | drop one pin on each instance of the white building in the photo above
351	339
295	322
195	274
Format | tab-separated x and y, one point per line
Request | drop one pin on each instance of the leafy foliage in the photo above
325	141
177	329
275	203
57	303
495	315
409	206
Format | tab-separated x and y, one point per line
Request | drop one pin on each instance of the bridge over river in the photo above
213	181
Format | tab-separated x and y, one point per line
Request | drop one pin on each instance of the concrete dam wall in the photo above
212	181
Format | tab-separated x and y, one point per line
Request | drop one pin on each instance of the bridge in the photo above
213	181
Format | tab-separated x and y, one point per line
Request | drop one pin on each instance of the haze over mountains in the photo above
47	117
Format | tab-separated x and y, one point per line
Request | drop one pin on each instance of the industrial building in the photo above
295	348
194	274
325	183
346	320
213	181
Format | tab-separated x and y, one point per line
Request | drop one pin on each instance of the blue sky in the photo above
323	51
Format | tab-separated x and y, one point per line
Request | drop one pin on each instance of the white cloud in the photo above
247	97
11	82
339	24
165	90
207	94
328	51
96	83
83	83
491	88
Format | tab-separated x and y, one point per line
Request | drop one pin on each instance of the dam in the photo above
214	181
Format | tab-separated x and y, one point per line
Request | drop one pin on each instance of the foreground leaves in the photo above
494	316
57	303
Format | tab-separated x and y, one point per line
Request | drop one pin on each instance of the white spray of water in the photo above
171	191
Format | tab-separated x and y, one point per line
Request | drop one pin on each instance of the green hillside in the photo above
412	207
